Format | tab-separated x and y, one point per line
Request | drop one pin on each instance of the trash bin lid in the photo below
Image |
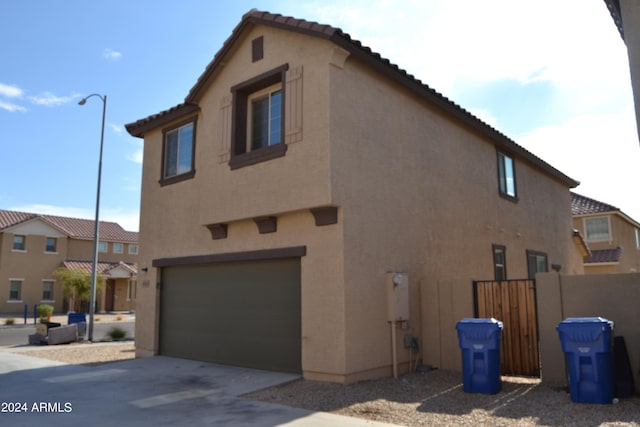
584	328
479	329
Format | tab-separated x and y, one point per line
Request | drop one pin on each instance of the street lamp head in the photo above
82	101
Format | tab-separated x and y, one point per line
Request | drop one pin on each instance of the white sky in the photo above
551	74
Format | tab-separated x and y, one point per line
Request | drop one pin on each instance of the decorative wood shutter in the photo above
225	129
293	106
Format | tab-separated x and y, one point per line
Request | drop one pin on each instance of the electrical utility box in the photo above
397	297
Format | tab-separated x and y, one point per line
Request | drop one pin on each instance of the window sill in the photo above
177	178
15	301
258	156
50	253
509	198
47	301
20	251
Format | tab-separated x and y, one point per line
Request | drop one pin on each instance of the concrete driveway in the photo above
154	391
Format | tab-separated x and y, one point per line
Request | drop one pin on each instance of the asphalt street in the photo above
19	334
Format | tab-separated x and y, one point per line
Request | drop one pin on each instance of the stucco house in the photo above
613	237
33	246
310	203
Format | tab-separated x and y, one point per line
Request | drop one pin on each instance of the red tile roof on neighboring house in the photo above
581	205
355	48
604	256
73	227
103	267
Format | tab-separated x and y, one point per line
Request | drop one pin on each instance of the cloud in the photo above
9	106
111	54
116	128
10	91
136	156
48	99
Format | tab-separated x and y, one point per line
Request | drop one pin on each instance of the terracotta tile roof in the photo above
103	267
604	255
73	227
616	15
363	53
581	205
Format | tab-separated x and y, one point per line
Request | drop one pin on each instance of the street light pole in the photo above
96	227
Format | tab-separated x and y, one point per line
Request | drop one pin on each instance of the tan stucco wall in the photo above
420	195
33	266
614	297
417	193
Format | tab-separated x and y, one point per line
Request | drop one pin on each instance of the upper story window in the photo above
637	239
103	247
178	152
133	249
597	229
265	123
258	119
51	245
118	248
19	243
506	176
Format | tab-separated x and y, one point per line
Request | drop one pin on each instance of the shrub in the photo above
9	321
116	333
44	312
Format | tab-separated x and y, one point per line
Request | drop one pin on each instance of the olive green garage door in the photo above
239	313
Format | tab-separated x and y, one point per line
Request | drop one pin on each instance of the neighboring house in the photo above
612	236
33	246
626	16
302	171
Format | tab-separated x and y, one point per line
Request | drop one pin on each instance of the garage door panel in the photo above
241	313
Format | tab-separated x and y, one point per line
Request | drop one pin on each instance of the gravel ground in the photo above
430	399
436	399
82	353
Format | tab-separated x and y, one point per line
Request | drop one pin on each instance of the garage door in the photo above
239	313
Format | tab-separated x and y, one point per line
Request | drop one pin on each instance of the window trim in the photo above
502	180
502	248
637	238
586	233
240	156
129	246
115	251
106	247
167	180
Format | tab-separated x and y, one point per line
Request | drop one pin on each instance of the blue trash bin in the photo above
587	344
480	344
80	319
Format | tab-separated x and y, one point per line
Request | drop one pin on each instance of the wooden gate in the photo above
514	303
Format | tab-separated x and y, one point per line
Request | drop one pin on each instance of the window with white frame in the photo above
265	118
597	229
103	247
19	243
133	249
179	150
47	290
637	239
499	262
15	290
118	248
